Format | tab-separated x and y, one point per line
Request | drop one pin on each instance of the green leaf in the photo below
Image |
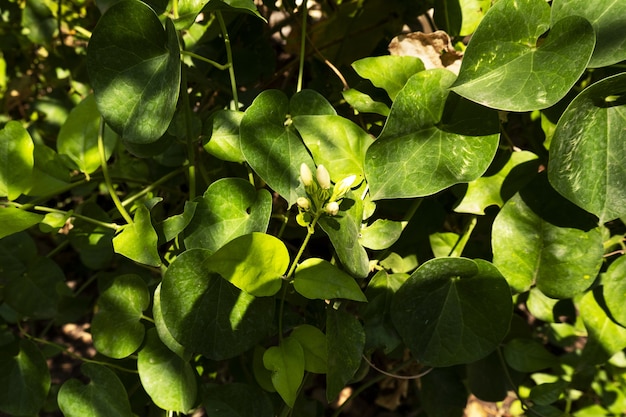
103	396
162	330
78	137
452	311
335	142
237	400
587	150
389	72
343	232
314	346
606	18
262	375
174	225
34	293
310	102
24	380
363	103
605	337
51	174
527	355
548	393
513	67
187	12
448	16
94	243
413	156
487	378
381	234
134	68
167	378
13	220
286	361
16	252
488	190
529	248
138	241
116	327
223	133
16	160
346	341
317	278
207	314
442	244
271	145
245	6
229	208
614	289
473	13
254	263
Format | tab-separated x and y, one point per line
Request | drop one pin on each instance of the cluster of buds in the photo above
322	197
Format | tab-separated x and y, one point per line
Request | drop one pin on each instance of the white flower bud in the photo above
342	188
323	177
303	203
332	208
306	176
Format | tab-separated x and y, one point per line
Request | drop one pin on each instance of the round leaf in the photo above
452	311
207	314
317	278
116	327
415	157
162	330
588	150
168	379
381	234
507	65
134	67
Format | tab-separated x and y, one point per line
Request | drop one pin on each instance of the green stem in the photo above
107	178
302	45
191	144
217	65
459	246
68	214
154	185
229	57
310	231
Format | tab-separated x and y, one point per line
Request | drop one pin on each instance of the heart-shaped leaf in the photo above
271	145
254	263
606	18
103	396
346	340
16	160
389	72
408	158
286	361
207	314
134	67
561	259
138	241
587	150
315	348
452	311
24	380
223	132
229	208
117	329
513	67
167	378
317	278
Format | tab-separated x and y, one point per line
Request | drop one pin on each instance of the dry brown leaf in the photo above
434	49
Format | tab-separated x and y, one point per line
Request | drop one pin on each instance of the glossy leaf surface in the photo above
286	361
103	396
452	311
116	327
229	208
134	67
512	67
207	314
407	159
587	150
16	160
317	278
167	378
389	72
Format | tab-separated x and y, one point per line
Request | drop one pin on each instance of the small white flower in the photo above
303	203
342	188
306	176
332	208
323	177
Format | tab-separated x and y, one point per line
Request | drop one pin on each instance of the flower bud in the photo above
323	177
306	176
303	203
342	188
332	208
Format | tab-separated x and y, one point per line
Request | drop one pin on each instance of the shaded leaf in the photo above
527	355
317	278
245	6
512	67
162	330
452	311
134	68
286	361
614	289
237	400
407	160
174	225
51	174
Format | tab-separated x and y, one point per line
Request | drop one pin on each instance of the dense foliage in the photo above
254	209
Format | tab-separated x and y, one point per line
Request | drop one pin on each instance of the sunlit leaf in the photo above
614	289
286	361
381	234
314	346
13	220
138	241
223	133
317	278
16	160
389	72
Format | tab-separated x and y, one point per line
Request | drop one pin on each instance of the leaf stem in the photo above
229	57
310	231
107	178
305	14
68	214
459	246
154	185
217	65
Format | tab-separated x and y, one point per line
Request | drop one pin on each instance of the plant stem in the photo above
107	178
154	185
459	246
229	57
191	145
305	14
310	231
68	214
207	60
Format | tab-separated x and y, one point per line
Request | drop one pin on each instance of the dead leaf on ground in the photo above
434	49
